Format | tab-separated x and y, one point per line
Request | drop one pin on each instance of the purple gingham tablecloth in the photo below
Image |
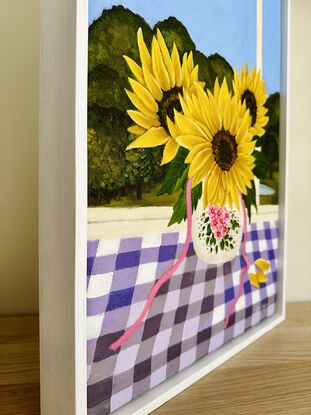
186	320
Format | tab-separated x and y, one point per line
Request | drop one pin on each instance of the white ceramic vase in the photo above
217	233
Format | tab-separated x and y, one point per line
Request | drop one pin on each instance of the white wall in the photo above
299	248
19	74
19	77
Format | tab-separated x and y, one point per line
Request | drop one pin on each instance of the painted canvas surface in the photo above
183	172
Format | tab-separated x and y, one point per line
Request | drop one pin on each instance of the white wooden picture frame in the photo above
63	220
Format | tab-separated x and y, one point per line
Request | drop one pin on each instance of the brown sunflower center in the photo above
225	149
168	103
251	104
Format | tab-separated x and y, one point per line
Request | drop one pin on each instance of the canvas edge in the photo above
284	153
81	204
63	206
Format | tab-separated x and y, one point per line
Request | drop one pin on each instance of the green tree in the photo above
174	31
270	141
138	169
113	35
107	141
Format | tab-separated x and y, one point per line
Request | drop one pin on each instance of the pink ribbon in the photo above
243	270
163	278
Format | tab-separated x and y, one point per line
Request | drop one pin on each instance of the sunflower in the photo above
160	81
251	90
214	127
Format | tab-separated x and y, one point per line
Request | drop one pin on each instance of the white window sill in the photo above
119	222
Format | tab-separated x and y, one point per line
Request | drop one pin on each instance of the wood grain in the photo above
272	376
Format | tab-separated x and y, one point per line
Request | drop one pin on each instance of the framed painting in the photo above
163	165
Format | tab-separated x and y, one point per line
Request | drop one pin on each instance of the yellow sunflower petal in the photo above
261	277
205	194
247	160
185	73
142	120
263	264
204	172
225	182
152	85
227	116
135	68
176	65
194	74
234	191
246	148
140	105
222	195
152	138
213	114
240	184
262	111
243	129
144	95
143	50
244	169
216	89
234	124
136	129
166	58
223	96
204	107
213	182
190	61
189	141
199	160
194	150
253	279
257	131
188	126
158	66
173	129
170	151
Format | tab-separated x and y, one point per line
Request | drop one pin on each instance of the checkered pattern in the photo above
186	320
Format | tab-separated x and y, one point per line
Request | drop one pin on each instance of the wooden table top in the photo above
272	376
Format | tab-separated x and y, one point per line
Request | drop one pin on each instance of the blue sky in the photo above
227	27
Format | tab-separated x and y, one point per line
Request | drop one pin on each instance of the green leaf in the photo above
262	167
234	224
222	244
250	199
180	207
175	175
181	181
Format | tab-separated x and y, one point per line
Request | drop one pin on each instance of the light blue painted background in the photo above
227	27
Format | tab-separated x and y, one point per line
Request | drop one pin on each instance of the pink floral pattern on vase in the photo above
217	233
